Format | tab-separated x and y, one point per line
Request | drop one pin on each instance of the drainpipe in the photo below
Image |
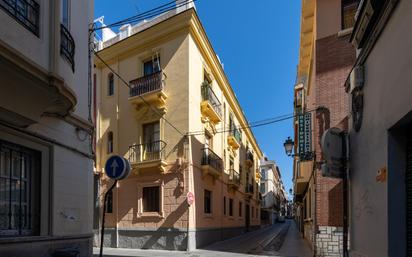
345	149
191	235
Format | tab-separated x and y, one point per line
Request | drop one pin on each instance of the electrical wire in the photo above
144	101
147	15
255	124
162	9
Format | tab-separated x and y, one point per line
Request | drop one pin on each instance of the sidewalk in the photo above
295	244
121	252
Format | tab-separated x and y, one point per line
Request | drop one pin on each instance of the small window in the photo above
152	66
224	205
240	209
110	142
253	211
151	199
110	84
230	207
349	8
208	201
65	13
109	202
257	212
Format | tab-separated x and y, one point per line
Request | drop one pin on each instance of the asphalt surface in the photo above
281	239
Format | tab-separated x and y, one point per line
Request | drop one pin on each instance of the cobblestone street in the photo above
281	239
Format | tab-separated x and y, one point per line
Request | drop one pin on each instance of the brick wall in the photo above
335	57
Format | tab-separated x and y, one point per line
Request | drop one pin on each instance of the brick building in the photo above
326	57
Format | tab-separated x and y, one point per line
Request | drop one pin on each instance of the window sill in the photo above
151	215
208	216
345	32
307	220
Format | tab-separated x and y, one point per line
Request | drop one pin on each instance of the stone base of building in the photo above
308	232
329	241
165	239
45	246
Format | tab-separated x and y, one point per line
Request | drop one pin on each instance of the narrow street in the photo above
281	239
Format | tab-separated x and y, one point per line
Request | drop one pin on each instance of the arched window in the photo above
110	142
110	84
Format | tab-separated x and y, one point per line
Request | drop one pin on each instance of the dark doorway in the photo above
408	184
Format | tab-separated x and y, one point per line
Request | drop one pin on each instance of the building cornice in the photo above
307	37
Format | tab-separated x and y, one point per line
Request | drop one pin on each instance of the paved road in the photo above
281	240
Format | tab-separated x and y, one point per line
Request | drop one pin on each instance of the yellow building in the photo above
175	78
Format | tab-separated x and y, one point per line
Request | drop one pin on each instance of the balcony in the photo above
148	89
303	174
235	138
249	190
234	178
148	155
249	158
67	45
210	106
212	164
26	12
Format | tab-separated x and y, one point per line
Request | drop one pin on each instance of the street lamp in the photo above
288	146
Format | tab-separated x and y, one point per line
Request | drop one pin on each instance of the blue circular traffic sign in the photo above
117	167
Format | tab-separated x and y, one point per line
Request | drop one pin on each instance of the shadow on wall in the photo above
323	120
335	198
170	236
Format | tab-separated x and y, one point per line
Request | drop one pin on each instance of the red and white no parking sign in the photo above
190	198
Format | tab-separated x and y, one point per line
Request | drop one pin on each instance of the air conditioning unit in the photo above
357	78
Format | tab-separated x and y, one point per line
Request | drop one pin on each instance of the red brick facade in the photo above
335	57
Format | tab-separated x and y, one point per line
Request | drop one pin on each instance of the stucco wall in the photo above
387	99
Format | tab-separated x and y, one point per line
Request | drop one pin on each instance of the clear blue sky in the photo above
258	43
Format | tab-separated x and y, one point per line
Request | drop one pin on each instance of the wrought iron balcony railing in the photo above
146	84
234	177
235	132
26	12
209	95
67	45
212	159
249	188
249	155
152	151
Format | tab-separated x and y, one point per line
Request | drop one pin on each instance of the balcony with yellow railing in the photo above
210	107
148	89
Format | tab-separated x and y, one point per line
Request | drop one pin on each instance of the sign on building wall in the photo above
305	136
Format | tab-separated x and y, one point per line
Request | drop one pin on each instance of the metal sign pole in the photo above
103	218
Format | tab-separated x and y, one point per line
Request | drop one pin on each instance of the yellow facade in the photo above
201	151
